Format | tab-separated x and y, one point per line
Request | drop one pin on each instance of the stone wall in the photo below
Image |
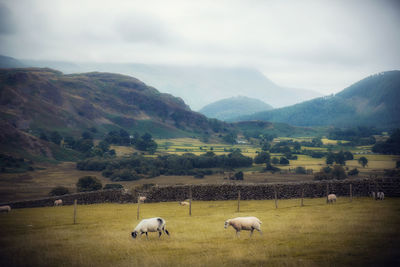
360	187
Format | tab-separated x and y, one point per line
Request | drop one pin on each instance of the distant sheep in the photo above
184	203
380	196
156	224
5	208
58	202
373	195
142	199
244	223
331	198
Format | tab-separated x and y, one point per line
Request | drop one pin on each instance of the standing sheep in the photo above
380	196
5	208
156	224
58	202
184	203
244	223
373	195
331	198
142	199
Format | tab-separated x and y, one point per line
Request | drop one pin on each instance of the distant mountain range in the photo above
373	101
196	85
230	108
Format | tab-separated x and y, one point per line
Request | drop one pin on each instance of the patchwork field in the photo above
361	233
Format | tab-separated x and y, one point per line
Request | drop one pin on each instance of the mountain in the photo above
227	109
196	85
373	101
9	62
34	100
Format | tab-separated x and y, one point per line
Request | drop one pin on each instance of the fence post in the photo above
327	192
138	207
190	201
276	197
75	202
238	203
302	196
351	192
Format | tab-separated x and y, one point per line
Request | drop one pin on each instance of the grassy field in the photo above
361	233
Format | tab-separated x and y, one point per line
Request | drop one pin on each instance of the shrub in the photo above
353	172
59	191
271	168
284	161
275	160
113	186
88	183
338	172
239	175
300	170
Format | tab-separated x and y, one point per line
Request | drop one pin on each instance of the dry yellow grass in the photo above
362	233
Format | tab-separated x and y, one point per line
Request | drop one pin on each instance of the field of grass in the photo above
361	233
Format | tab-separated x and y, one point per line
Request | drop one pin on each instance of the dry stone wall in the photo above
227	191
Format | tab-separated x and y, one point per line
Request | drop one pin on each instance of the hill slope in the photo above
227	109
9	62
35	100
373	101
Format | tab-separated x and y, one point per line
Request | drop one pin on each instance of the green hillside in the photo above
230	108
372	101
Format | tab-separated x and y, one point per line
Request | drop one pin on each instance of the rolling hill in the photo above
373	101
34	100
229	108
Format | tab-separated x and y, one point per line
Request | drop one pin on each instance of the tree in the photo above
284	161
239	175
275	160
55	137
330	159
348	155
338	172
88	183
353	172
59	191
262	157
363	161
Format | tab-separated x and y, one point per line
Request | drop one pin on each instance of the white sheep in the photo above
156	224
373	195
142	199
58	202
380	196
184	203
5	208
331	198
244	223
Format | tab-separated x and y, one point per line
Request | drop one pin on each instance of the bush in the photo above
113	186
338	172
88	183
284	161
238	176
300	170
353	172
271	168
59	191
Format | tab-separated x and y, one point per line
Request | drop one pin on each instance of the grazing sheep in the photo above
58	202
380	196
5	208
184	203
244	223
331	198
156	224
142	199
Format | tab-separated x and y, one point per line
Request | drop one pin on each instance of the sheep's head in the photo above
226	224
134	234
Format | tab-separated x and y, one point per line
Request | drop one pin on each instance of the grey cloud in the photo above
7	21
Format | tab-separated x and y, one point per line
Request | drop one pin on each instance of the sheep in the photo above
244	223
156	224
373	195
184	203
5	208
331	198
58	202
142	199
380	196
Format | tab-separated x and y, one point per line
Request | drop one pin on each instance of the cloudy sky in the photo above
319	45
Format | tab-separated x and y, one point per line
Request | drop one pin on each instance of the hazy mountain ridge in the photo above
229	108
372	101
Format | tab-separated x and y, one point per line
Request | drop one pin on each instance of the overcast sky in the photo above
319	45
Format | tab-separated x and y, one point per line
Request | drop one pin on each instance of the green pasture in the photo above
363	232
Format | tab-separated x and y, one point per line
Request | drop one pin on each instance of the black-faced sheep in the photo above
331	198
5	208
156	224
244	223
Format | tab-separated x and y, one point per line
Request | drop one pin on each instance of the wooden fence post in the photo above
190	201
75	202
238	203
302	196
327	192
351	192
276	197
138	207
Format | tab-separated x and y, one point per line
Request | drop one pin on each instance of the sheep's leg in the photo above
237	233
147	236
159	234
166	231
251	231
